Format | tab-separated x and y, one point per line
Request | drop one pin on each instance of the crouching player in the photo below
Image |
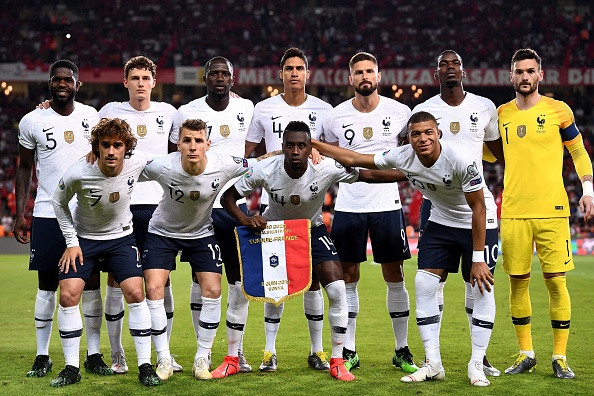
461	223
101	225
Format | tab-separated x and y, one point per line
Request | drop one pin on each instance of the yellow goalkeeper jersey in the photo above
533	145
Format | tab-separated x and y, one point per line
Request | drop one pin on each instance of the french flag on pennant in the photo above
275	263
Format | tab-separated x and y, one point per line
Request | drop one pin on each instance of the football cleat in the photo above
489	370
426	373
268	362
351	359
200	369
244	366
561	369
148	376
318	361
70	375
164	369
95	364
118	363
41	366
476	374
177	368
339	371
229	367
522	363
404	360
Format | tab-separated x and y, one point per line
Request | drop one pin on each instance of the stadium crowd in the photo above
255	32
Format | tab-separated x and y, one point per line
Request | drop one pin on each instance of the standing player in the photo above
535	210
227	120
270	116
466	120
101	226
192	179
460	224
52	140
370	123
151	123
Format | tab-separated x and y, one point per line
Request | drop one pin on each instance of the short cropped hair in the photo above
526	53
208	64
194	125
421	116
112	128
297	126
293	52
140	63
66	64
362	56
448	51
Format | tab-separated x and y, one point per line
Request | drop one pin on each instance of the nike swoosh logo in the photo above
174	184
144	333
346	126
334	253
275	189
567	262
274	118
438	119
45	130
138	265
506	124
219	264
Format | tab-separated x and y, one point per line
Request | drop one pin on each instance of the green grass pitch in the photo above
375	343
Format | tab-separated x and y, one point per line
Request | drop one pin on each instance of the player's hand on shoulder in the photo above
68	260
482	276
256	222
315	156
234	95
46	104
91	158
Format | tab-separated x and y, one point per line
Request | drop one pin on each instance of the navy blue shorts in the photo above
224	229
47	245
124	260
322	246
425	213
441	247
203	254
386	231
141	215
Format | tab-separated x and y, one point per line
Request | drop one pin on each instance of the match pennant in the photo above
275	263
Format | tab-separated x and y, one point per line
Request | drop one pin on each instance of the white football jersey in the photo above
102	203
272	115
367	133
151	128
185	209
227	129
454	173
58	142
467	125
294	198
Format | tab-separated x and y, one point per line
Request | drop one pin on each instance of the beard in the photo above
61	100
522	90
367	90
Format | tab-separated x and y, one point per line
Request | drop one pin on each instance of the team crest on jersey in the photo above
312	120
541	124
273	260
431	186
314	189
114	197
521	131
194	195
447	180
473	119
454	127
386	123
141	130
160	123
69	136
368	132
295	199
225	130
215	184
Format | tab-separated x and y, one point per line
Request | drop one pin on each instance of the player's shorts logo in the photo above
225	130
367	133
295	199
141	130
69	137
194	195
114	197
274	261
521	131
454	127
